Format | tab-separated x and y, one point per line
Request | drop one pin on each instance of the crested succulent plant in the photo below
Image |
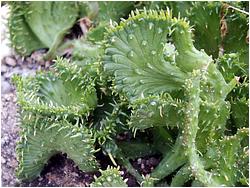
147	80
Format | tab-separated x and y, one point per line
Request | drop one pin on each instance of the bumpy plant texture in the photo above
146	77
111	177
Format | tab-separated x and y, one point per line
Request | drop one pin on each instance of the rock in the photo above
30	65
5	87
142	166
10	61
153	161
28	72
20	60
139	161
6	50
3	161
16	70
74	174
4	68
47	64
38	56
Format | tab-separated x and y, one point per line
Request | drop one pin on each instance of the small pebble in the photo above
47	64
3	161
142	166
139	161
5	87
10	61
74	174
30	65
153	161
4	68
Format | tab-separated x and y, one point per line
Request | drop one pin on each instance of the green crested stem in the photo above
56	43
228	170
223	172
63	93
141	69
42	138
192	87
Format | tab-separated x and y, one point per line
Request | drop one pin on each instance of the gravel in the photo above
9	137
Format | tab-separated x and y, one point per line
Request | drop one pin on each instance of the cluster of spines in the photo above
111	177
147	181
86	58
149	14
64	67
106	131
107	127
227	164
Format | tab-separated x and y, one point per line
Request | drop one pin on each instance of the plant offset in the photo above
170	76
